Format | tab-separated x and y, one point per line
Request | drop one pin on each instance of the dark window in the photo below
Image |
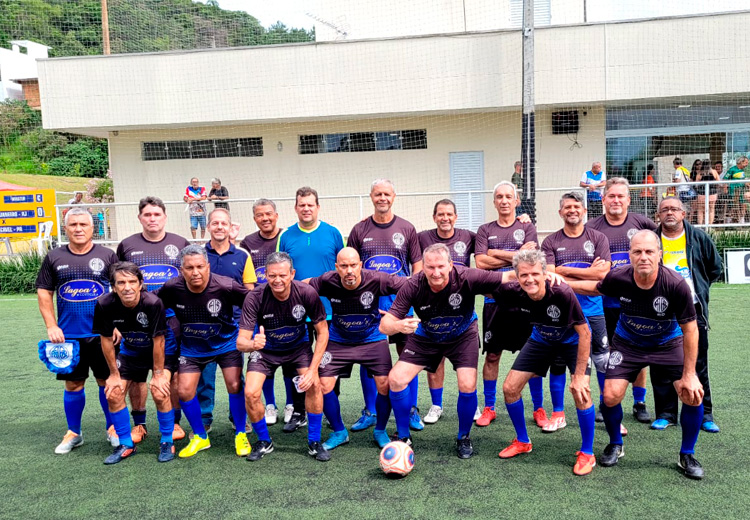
388	141
362	142
154	151
227	148
310	144
414	139
203	149
336	143
178	150
251	146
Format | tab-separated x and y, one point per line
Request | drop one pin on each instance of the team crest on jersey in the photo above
632	232
487	336
661	304
519	235
213	306
298	312
459	247
615	358
455	299
183	361
117	363
171	251
142	319
398	239
589	247
367	298
327	357
255	357
553	311
96	265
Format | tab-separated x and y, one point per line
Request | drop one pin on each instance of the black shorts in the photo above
504	329
194	365
538	358
267	361
136	368
626	360
91	357
599	336
339	359
462	352
398	339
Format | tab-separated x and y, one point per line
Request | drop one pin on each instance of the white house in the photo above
19	62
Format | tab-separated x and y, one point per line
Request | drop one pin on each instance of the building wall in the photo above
16	65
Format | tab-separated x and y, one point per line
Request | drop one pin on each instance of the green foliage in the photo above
100	190
44	144
18	273
83	158
16	117
730	239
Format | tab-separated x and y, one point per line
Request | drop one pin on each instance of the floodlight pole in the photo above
527	122
105	27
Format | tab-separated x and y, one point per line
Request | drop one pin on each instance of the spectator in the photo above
195	194
648	195
594	181
218	193
707	174
736	191
681	177
517	178
77	198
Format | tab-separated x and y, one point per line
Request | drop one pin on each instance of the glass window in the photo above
227	148
204	149
154	151
251	146
310	144
362	142
388	140
414	139
178	150
336	143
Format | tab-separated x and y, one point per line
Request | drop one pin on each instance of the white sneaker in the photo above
70	441
477	414
272	414
433	415
288	411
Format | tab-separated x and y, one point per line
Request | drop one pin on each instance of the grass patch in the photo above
66	184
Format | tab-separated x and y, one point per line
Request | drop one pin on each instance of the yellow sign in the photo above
22	211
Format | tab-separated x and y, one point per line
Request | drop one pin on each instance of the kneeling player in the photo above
140	318
560	338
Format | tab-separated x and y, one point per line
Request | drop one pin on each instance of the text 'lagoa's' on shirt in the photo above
138	325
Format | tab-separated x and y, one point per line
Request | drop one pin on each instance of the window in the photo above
251	146
154	151
414	139
388	140
203	149
178	150
363	142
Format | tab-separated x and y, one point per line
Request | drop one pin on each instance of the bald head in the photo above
645	254
349	268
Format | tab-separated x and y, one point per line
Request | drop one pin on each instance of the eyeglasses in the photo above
670	210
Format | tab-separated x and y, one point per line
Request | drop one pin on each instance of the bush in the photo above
18	273
83	158
44	144
16	117
730	239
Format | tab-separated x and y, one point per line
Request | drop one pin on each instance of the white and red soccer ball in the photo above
397	459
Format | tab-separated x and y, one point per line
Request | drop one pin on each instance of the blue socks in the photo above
557	391
537	392
490	393
289	386
690	420
268	392
177	415
121	420
414	391
237	408
369	389
515	411
192	410
436	394
600	379
166	425
73	404
332	410
261	430
612	420
139	417
586	421
466	406
401	403
383	409
639	394
315	421
105	407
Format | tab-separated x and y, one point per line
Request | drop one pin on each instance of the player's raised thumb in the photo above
261	330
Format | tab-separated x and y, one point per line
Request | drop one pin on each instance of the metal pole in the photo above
105	27
527	122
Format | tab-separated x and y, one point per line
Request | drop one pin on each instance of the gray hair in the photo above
378	182
216	180
505	183
279	257
674	198
223	210
614	181
78	211
193	250
572	195
740	159
531	257
649	233
263	202
438	248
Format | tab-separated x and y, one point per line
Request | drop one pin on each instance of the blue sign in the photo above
80	290
9	230
18	199
18	214
158	274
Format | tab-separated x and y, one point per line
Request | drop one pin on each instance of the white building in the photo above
19	62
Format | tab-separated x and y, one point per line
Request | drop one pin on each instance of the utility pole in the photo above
527	122
105	27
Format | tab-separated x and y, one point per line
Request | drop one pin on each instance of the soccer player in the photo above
504	329
560	338
618	225
274	331
657	329
77	274
460	242
442	296
578	253
155	252
203	303
354	338
261	244
387	243
140	318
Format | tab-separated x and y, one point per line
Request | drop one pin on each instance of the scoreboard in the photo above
22	211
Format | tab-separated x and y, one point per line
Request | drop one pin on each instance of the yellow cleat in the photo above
195	445
241	445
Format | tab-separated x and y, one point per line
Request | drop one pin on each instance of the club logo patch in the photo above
183	361
298	312
213	306
459	247
398	239
661	304
455	299
118	363
589	247
519	235
615	358
171	251
632	232
255	357
142	319
553	311
96	265
327	357
487	336
366	299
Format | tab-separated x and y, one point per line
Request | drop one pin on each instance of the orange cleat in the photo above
515	448
557	422
540	417
488	415
178	434
138	433
584	463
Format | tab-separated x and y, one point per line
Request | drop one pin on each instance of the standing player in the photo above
203	303
312	245
578	253
387	243
78	274
274	331
139	316
504	329
560	338
155	252
460	242
354	338
657	329
618	225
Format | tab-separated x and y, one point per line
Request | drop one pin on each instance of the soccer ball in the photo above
397	459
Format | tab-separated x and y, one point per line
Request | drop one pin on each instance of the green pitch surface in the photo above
288	483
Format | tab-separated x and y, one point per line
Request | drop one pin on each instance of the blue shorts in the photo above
198	220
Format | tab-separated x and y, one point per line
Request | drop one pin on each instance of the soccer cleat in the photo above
415	421
138	433
260	448
641	413
611	454
297	421
121	452
623	430
112	437
381	438
70	441
488	415
366	420
178	433
318	450
477	413
556	422
516	448
584	463
196	444
690	467
661	424
710	427
464	447
336	439
272	414
241	445
433	415
288	411
599	416
166	452
540	417
405	440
